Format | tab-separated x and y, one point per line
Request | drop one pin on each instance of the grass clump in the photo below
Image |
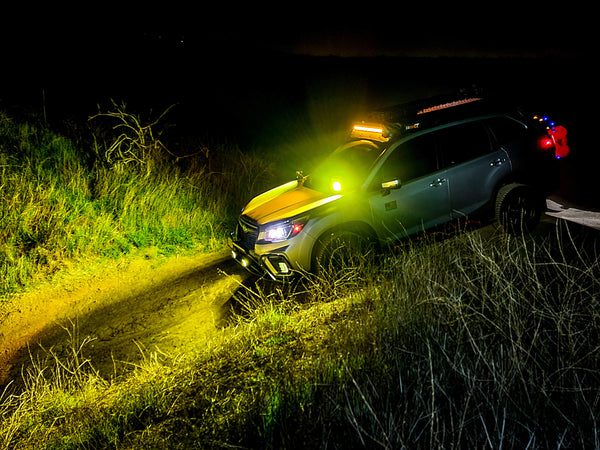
464	343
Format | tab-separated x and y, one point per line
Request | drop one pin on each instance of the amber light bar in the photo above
368	129
373	131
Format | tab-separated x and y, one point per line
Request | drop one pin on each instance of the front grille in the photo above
247	232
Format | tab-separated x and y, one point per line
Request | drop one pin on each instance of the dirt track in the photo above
149	303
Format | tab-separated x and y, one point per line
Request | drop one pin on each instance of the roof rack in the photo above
410	112
401	119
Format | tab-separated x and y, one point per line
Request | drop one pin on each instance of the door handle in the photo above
497	162
437	182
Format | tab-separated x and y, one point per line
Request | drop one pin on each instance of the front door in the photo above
416	194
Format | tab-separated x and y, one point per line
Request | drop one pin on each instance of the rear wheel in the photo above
518	208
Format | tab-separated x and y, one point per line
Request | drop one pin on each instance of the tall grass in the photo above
469	342
59	202
482	344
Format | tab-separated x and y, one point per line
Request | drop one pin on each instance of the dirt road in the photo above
125	308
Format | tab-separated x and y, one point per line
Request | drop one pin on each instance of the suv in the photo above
405	170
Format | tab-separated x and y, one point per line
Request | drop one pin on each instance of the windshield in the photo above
345	169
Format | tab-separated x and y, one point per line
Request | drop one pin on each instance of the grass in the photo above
469	342
59	202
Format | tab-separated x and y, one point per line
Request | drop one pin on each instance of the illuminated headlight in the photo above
281	231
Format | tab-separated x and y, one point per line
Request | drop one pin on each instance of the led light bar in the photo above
448	105
368	129
373	131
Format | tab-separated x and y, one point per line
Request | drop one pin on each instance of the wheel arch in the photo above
358	227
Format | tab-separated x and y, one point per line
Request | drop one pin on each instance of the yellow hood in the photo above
285	201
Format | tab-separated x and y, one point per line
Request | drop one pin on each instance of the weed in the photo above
136	143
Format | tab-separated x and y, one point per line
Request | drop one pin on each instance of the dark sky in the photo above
478	29
113	42
484	32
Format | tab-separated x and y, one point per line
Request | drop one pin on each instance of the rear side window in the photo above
462	143
505	130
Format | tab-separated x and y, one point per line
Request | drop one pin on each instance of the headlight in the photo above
281	231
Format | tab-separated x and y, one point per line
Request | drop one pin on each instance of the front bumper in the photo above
275	265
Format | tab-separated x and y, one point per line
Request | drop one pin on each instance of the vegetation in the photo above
59	202
464	343
468	342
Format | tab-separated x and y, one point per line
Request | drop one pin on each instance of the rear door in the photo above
420	200
473	166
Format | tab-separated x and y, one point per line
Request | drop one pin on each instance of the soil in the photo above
122	310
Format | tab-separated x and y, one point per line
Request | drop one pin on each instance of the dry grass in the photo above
464	343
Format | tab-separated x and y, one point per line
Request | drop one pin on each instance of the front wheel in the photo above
518	208
340	251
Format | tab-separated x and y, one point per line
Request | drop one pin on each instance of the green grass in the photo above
463	343
61	203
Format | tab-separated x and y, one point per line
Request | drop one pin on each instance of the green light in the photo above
337	186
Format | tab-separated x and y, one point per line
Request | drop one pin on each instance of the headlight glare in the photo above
281	231
277	233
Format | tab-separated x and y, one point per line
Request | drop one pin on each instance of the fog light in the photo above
277	265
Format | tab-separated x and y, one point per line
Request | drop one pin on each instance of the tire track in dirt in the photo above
125	310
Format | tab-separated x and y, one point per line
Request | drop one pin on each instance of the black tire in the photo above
518	208
342	250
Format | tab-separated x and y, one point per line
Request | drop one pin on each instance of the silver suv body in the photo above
406	170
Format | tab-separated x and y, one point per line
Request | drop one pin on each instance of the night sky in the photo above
483	29
103	47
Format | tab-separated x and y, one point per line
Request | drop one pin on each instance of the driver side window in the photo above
411	160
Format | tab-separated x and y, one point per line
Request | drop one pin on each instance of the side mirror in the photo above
388	185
